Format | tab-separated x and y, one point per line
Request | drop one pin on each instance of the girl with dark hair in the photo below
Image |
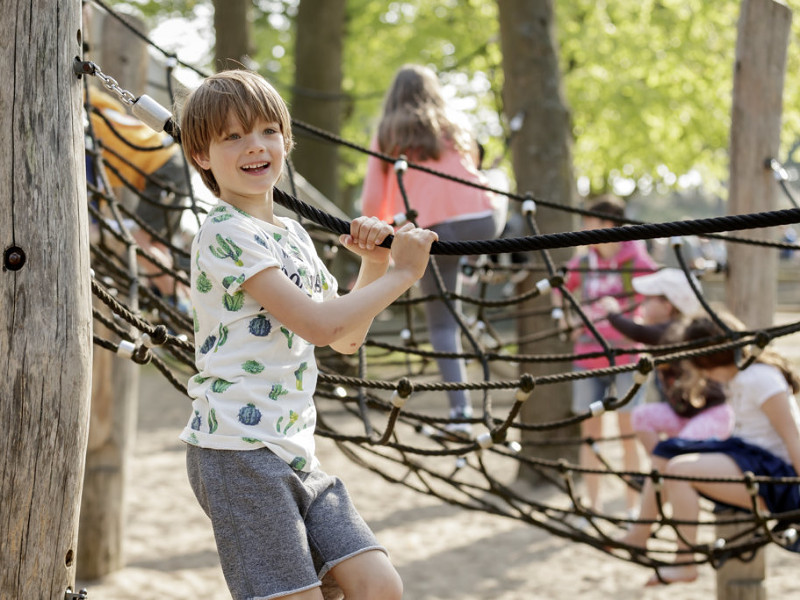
765	442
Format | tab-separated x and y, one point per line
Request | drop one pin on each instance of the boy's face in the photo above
246	164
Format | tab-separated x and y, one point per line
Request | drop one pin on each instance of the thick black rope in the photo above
567	239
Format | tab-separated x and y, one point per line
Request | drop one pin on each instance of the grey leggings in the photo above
445	333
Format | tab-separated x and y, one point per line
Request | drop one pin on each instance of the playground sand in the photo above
442	552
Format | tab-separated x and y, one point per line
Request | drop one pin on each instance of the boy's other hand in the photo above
366	235
411	248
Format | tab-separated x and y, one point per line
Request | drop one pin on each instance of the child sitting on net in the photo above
687	409
765	442
262	301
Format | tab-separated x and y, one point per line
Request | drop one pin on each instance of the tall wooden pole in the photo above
762	40
232	31
45	321
319	52
763	37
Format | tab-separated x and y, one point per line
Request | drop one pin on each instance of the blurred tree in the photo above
232	28
542	158
317	94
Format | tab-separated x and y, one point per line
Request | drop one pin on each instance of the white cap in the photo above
672	284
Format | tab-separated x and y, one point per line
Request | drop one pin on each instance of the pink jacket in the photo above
585	287
435	199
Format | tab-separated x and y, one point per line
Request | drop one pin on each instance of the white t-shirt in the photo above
256	379
747	392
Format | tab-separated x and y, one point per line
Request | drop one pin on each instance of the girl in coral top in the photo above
417	124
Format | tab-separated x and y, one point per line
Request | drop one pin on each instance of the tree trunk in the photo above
542	159
762	40
317	97
45	324
232	32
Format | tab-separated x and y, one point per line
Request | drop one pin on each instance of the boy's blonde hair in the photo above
205	113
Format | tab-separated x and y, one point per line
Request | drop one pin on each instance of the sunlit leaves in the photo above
648	82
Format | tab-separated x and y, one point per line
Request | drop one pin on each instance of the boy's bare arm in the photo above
366	235
353	338
343	321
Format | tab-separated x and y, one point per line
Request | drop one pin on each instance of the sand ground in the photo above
442	552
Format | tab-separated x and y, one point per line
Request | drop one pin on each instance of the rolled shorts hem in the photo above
331	564
284	594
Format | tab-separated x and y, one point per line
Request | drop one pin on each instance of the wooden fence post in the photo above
46	320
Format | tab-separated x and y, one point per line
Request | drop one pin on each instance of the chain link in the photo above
112	84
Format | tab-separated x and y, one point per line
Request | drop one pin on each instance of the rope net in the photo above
386	407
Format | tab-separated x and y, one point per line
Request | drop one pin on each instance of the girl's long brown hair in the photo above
415	120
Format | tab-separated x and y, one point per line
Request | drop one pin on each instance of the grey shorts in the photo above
278	531
591	389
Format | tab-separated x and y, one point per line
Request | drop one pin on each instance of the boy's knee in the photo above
369	576
382	585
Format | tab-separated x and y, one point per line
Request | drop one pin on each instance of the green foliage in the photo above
648	82
158	9
273	37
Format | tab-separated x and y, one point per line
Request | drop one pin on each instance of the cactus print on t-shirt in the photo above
256	378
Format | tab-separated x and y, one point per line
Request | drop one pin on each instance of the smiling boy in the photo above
262	301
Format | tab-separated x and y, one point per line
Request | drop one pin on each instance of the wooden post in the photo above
762	39
46	320
736	579
115	381
763	36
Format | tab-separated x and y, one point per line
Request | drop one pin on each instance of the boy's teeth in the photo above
259	166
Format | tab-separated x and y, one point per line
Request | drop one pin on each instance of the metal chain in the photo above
112	84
